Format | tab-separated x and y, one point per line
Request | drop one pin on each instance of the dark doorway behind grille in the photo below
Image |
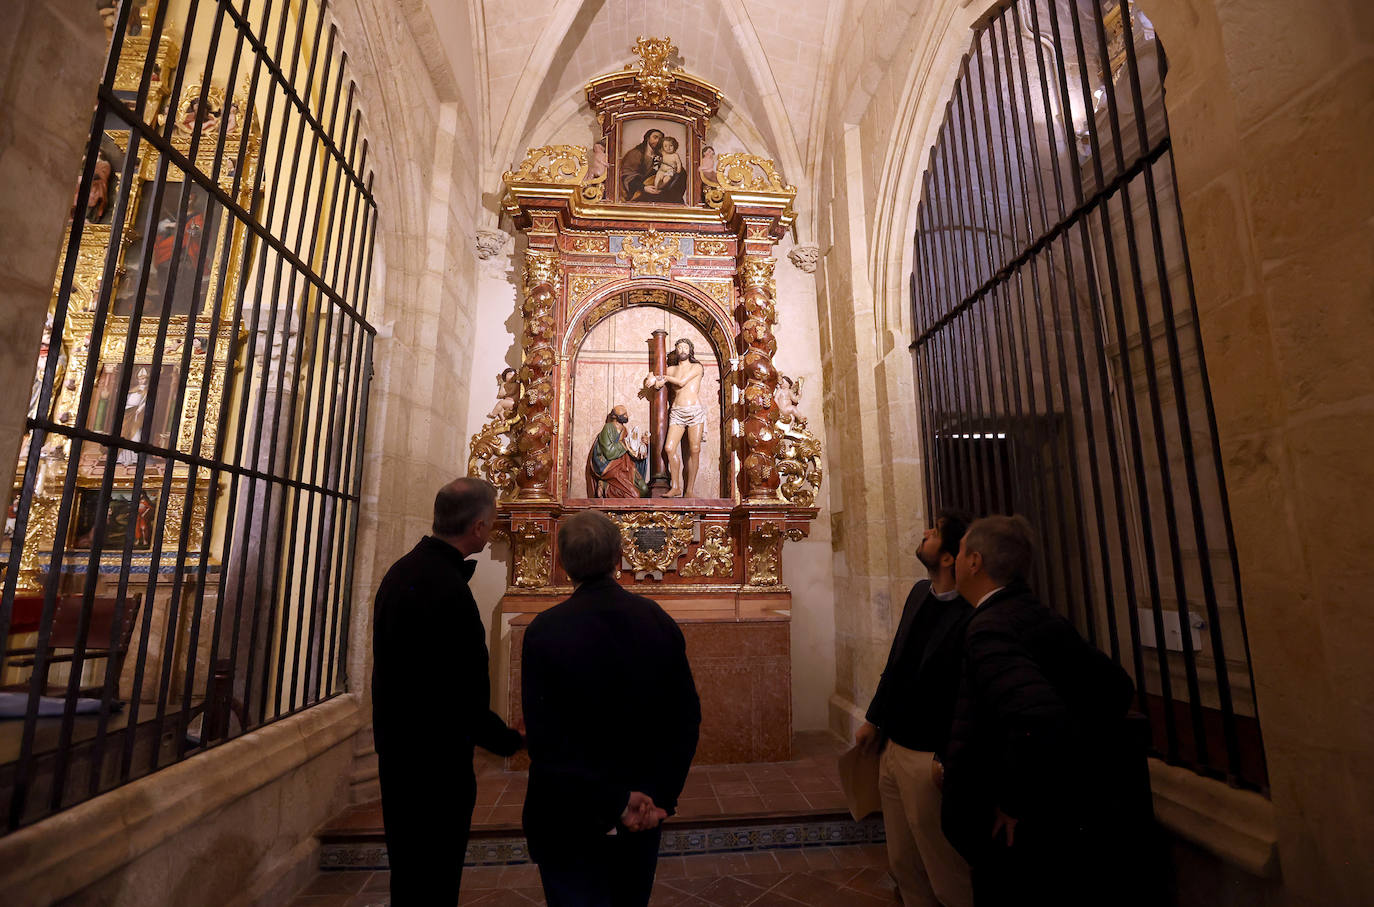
178	565
1060	364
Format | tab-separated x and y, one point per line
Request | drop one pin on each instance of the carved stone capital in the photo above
490	243
805	257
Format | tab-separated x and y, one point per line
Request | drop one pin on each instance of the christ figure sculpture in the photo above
686	416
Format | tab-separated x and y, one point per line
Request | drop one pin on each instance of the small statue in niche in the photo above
686	415
787	396
507	393
617	464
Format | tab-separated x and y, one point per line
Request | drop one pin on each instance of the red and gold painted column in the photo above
534	441
760	378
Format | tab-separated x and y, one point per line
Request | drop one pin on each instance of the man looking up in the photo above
431	697
612	715
1034	797
909	721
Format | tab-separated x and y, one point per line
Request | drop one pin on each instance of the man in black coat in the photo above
431	698
612	715
1034	790
909	721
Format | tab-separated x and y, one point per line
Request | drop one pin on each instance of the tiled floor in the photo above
809	783
814	876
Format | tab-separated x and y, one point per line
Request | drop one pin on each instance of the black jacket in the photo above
610	708
431	692
914	702
1039	725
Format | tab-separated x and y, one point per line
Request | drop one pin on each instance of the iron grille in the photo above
179	559
1060	362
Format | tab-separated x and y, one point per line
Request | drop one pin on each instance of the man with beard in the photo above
638	165
909	721
616	465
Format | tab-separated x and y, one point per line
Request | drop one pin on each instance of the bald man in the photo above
431	698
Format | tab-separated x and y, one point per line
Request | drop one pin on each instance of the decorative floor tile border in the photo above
783	835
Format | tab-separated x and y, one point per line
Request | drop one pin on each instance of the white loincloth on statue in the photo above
688	414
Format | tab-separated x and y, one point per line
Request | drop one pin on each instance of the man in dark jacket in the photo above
431	698
1033	793
909	720
612	716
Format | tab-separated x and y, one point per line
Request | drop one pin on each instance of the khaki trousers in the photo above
929	872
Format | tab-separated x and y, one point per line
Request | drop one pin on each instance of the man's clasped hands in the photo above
641	814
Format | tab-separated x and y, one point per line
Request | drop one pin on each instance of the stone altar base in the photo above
741	661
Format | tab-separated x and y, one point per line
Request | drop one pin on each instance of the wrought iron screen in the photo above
178	563
1060	364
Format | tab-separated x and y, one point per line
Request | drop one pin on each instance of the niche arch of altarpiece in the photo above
699	309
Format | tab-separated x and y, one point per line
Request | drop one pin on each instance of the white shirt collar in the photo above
949	596
988	596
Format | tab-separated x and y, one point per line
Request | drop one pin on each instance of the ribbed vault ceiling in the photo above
533	58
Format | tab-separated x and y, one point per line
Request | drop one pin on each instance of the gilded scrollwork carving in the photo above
714	557
653	541
583	285
562	165
749	173
655	75
799	464
719	290
600	243
650	254
490	455
710	247
533	561
765	553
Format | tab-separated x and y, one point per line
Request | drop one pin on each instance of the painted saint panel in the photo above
655	161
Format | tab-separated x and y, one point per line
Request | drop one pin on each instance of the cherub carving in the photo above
507	393
787	396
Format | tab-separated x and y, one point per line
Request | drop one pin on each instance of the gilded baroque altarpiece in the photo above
207	347
651	216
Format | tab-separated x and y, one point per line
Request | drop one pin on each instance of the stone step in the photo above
365	847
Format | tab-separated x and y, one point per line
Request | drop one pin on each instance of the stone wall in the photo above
1268	104
890	66
53	55
245	812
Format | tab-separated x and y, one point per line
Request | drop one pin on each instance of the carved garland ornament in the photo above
714	557
653	541
533	563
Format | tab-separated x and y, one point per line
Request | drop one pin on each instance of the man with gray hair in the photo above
431	697
1033	793
612	716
